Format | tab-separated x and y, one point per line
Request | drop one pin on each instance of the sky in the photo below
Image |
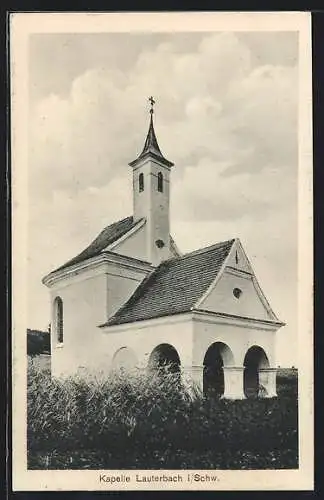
225	115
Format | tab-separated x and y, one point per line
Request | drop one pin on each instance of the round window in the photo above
237	292
159	243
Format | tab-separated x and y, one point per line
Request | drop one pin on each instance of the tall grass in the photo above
121	421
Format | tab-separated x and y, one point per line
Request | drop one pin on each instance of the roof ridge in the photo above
155	283
97	244
118	222
206	249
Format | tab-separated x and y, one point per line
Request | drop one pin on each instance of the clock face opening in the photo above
237	292
159	243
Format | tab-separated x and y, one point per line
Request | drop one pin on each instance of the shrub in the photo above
150	421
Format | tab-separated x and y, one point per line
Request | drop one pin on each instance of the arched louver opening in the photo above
141	182
58	318
160	182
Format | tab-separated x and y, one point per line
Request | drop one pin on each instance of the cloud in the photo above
60	228
226	114
204	193
279	49
211	99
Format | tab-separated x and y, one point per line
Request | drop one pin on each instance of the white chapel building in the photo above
131	300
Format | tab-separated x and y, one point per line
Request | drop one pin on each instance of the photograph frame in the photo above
256	488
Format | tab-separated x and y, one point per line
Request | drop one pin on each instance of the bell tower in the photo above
151	195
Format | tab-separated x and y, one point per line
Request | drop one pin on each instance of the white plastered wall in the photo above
222	298
134	245
144	336
237	336
89	298
154	206
84	306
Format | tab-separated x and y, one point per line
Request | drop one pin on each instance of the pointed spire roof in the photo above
151	146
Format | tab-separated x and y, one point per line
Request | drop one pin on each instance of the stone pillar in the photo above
233	382
193	379
268	382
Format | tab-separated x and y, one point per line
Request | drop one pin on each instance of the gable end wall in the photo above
221	297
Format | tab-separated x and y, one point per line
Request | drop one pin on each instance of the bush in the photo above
141	421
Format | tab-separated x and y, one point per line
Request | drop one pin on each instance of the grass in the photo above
151	423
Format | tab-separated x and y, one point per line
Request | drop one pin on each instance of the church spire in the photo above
151	146
151	196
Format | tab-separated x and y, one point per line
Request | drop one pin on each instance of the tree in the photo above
38	342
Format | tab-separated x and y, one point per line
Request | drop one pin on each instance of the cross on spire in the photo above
151	146
152	102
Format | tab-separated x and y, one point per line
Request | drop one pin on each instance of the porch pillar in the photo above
268	382
233	382
193	378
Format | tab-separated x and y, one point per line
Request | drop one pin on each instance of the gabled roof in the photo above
174	286
151	148
107	236
110	234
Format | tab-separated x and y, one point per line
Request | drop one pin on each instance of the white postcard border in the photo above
21	26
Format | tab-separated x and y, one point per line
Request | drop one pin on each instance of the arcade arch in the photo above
218	356
124	359
164	358
255	360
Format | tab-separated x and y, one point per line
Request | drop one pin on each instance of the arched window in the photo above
58	319
141	182
160	182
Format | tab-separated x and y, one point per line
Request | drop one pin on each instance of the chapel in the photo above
132	301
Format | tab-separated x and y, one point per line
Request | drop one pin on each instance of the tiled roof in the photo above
174	286
151	148
110	234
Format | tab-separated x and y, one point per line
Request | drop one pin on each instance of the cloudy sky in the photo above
226	115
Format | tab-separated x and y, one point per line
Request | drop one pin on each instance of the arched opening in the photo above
58	320
124	359
164	359
160	182
141	182
255	359
217	356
